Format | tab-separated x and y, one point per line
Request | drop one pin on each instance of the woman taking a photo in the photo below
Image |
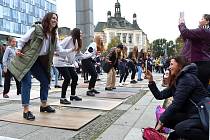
181	115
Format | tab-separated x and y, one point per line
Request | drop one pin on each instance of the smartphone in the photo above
181	15
146	66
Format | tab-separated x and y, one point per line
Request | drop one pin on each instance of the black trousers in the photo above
203	72
68	73
123	74
90	68
132	66
188	128
7	80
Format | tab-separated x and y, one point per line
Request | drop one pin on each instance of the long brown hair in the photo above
75	34
46	26
182	62
99	43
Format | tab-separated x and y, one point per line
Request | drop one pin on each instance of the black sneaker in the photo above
108	88
47	109
114	88
28	116
5	96
76	98
1	85
90	93
95	91
57	86
65	102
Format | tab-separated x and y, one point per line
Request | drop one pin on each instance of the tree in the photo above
114	42
179	44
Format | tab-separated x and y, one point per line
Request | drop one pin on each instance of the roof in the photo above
116	23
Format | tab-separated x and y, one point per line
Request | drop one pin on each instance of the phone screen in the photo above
145	65
181	14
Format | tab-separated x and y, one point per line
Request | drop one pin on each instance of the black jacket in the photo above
187	86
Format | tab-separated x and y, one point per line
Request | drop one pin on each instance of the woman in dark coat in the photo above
181	115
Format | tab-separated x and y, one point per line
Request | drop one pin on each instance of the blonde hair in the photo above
99	43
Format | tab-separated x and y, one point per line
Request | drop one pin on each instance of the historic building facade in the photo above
130	34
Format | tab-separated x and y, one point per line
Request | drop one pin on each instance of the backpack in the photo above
152	134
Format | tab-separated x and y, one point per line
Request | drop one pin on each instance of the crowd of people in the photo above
39	53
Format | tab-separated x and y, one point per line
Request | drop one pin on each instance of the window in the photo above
23	29
22	6
23	18
37	3
6	13
42	4
14	15
16	4
31	9
1	24
6	3
1	11
130	38
118	35
124	37
53	8
41	13
1	2
36	11
29	20
6	25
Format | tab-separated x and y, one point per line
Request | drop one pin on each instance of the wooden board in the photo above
137	85
113	95
13	95
92	104
66	119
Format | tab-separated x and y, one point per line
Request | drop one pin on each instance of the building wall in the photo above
138	37
17	16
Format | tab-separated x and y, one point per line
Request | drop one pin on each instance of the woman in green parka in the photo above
34	57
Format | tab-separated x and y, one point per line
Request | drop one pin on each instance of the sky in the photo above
157	18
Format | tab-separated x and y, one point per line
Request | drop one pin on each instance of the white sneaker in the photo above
120	84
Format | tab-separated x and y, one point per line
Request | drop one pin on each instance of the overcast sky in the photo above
157	18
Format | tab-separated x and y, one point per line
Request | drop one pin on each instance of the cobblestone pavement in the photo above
122	122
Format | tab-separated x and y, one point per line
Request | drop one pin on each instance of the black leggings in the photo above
7	80
133	70
90	68
123	74
68	73
188	128
203	72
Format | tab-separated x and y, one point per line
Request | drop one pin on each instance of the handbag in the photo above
107	67
203	110
152	134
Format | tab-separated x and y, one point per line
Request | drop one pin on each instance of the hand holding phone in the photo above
181	15
181	18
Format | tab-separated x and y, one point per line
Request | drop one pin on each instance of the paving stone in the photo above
15	130
130	117
114	132
134	134
50	134
124	107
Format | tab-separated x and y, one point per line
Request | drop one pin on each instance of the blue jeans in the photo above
139	72
0	74
54	73
38	72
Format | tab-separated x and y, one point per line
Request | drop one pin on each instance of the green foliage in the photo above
179	44
162	47
114	42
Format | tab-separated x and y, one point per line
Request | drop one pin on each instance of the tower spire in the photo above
117	10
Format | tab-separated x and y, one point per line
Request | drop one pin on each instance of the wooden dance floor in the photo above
65	119
92	104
